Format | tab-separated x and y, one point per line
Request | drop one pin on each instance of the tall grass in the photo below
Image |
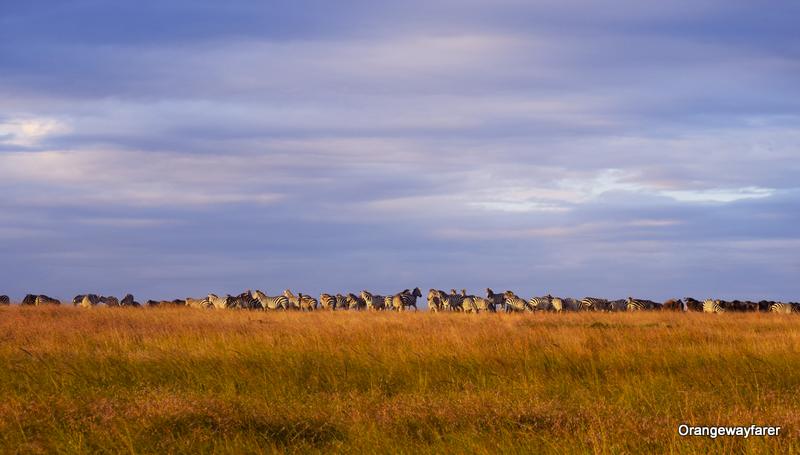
180	380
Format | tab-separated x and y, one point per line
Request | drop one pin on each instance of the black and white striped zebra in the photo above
544	303
327	301
302	302
341	302
783	308
5	300
475	304
86	300
447	302
271	303
220	303
198	303
434	303
514	303
373	301
355	302
593	304
641	304
406	299
498	299
713	306
455	301
45	300
109	301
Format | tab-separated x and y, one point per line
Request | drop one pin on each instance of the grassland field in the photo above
176	380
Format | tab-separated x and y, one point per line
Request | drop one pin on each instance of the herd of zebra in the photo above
438	301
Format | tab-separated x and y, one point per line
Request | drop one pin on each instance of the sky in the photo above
605	148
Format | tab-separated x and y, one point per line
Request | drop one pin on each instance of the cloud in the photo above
183	148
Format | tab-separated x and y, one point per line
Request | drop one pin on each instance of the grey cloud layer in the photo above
560	147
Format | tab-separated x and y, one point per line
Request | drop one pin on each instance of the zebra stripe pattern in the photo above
406	299
782	308
514	303
498	300
198	303
640	304
268	303
355	302
541	303
4	300
373	301
593	304
713	306
327	301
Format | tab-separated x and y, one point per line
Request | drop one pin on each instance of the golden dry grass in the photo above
182	380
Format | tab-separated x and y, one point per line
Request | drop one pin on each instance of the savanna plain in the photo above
178	380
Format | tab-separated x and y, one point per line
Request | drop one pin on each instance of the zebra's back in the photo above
712	306
641	304
593	304
327	301
782	308
541	303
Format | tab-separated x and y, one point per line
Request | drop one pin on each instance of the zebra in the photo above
617	305
278	302
515	304
475	304
355	302
560	305
469	305
45	300
497	299
327	301
641	304
541	303
484	304
5	300
456	300
301	302
87	300
434	303
244	301
94	298
783	308
341	302
593	304
406	299
447	302
110	301
307	303
218	302
199	303
713	306
374	302
29	299
128	300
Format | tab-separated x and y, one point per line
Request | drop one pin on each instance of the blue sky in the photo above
579	148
